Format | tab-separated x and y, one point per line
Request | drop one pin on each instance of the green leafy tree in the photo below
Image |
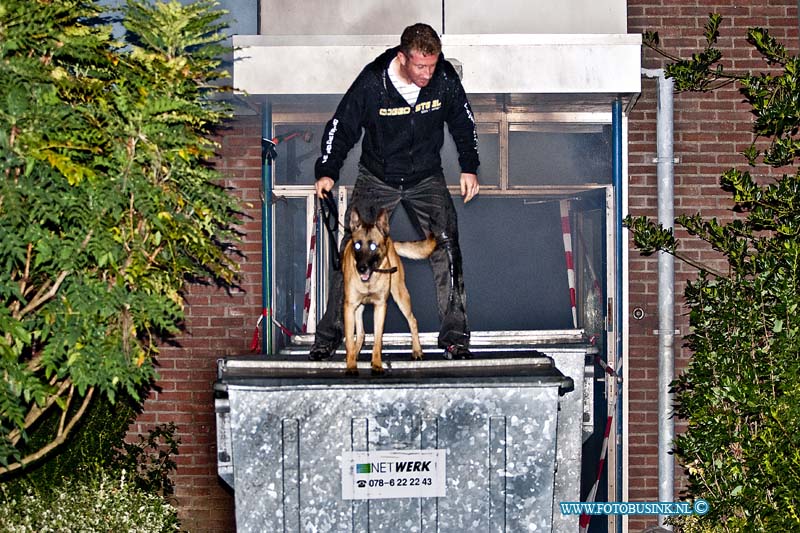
741	391
109	205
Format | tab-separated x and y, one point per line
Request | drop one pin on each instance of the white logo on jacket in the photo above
329	141
424	107
393	111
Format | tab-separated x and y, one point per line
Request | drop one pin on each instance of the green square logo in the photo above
363	468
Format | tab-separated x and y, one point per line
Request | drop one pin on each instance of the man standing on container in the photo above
401	101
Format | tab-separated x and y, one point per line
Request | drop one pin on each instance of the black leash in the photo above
330	218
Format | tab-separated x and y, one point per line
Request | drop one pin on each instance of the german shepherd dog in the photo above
372	270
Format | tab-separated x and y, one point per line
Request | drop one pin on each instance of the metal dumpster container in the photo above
307	448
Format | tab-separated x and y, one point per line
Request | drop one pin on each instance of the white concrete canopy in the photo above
499	63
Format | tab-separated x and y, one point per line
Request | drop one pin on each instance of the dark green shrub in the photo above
99	479
150	460
91	446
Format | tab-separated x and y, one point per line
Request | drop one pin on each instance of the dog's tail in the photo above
415	249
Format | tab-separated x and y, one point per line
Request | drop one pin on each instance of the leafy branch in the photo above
649	238
108	204
702	72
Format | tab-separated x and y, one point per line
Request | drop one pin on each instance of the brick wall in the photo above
218	324
709	130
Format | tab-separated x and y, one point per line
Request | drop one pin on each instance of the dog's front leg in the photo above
349	337
359	328
379	317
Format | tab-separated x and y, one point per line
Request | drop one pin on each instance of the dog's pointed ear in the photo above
382	222
355	220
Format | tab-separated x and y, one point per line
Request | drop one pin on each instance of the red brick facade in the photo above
709	131
218	324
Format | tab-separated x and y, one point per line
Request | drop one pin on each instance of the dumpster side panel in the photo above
289	441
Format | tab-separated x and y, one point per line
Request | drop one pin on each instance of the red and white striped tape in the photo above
585	518
309	272
567	234
612	407
254	341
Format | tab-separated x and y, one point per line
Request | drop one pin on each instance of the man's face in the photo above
418	67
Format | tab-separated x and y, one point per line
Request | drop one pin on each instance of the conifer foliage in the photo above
109	204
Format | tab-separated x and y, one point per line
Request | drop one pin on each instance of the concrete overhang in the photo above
592	67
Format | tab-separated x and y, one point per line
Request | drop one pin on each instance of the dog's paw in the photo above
377	370
351	371
417	355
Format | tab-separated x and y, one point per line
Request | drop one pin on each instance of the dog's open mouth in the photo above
366	275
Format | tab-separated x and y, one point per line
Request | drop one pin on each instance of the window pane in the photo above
488	150
588	228
559	154
290	252
298	149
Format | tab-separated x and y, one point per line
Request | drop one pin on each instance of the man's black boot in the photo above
321	351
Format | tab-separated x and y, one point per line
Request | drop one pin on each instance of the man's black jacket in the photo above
401	142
